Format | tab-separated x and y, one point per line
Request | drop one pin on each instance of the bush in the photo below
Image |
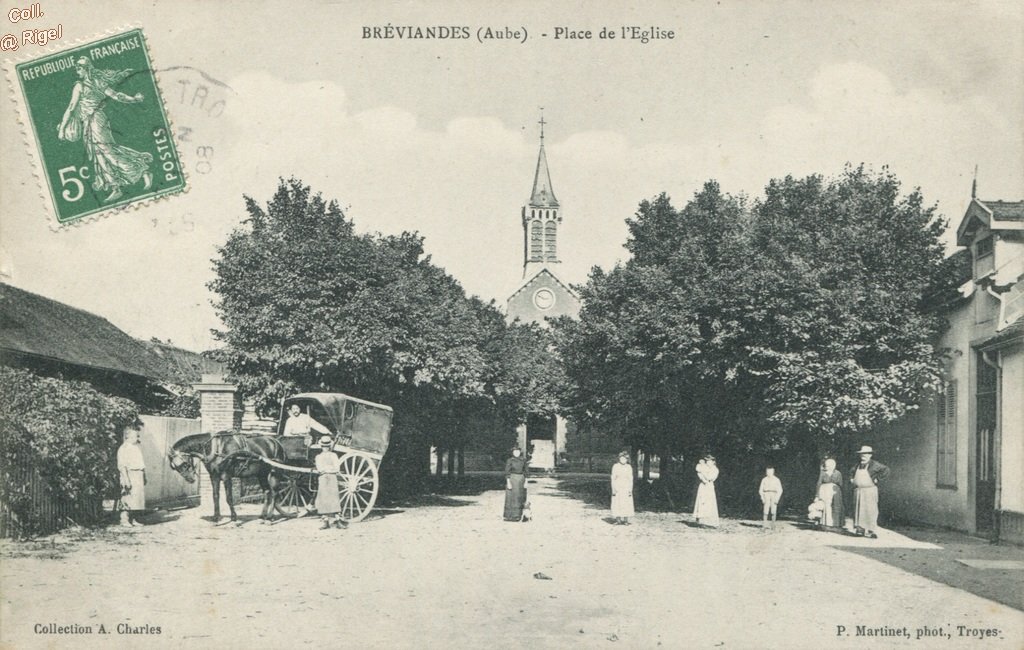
68	432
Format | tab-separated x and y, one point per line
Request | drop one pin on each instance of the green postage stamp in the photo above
99	127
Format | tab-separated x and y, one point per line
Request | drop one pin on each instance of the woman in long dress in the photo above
830	491
622	490
705	508
131	469
515	485
114	166
328	499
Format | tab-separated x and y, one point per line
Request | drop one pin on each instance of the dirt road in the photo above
452	574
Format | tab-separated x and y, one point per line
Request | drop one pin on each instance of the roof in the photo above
1012	333
183	366
1006	210
328	398
994	215
543	196
33	325
528	281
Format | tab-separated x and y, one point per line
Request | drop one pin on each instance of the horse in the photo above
227	455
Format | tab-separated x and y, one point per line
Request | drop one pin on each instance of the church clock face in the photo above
544	299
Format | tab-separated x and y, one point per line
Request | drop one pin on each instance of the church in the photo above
541	295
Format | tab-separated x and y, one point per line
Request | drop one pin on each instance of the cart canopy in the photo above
354	422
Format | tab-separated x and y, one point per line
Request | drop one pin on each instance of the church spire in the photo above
542	196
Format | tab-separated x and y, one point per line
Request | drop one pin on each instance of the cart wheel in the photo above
357	485
295	497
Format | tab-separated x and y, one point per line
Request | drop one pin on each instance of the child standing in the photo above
328	501
771	492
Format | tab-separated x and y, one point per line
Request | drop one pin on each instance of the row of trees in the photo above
796	321
309	304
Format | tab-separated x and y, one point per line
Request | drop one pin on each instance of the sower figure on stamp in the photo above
865	477
131	469
114	166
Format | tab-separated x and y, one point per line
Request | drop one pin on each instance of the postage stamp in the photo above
99	126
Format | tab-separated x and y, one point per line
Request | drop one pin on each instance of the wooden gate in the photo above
165	488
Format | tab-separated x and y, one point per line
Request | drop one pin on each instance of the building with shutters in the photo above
958	461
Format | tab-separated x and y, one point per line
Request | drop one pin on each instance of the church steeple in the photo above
543	196
541	217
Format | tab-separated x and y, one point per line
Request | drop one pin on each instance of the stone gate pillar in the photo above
220	408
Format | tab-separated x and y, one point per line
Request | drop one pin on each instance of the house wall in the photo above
910	446
1011	447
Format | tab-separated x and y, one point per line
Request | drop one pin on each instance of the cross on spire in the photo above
542	123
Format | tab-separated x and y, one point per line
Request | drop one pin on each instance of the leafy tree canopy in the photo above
801	315
310	304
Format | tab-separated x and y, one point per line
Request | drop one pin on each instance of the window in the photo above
984	260
536	242
549	241
983	247
946	434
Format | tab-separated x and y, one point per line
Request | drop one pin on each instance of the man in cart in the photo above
303	424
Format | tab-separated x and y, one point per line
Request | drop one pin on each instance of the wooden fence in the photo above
49	511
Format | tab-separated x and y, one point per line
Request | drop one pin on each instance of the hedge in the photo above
67	432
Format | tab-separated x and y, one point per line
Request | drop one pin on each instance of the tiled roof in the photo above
34	325
184	366
1005	210
1012	332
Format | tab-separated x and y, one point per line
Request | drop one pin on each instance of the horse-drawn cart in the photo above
284	464
360	431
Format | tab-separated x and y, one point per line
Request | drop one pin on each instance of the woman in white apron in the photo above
705	508
830	491
622	490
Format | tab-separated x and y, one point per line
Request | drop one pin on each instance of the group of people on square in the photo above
827	509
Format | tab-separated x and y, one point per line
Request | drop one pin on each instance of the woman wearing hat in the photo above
705	508
328	501
622	490
865	477
515	485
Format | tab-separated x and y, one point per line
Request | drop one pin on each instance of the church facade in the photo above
542	295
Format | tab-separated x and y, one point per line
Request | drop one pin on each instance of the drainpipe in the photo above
997	365
1002	314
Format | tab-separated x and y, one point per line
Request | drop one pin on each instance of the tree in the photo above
799	319
308	304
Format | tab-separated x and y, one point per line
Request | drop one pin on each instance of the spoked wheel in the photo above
295	496
357	485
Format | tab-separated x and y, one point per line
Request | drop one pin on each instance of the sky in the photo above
441	136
